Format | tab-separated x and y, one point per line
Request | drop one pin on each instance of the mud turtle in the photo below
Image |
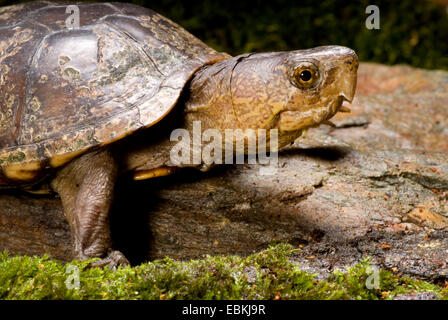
81	105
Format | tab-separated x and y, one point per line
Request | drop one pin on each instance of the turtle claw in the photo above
113	260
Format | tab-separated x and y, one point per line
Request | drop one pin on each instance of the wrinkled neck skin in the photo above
207	99
210	97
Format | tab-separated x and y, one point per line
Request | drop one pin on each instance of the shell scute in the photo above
64	91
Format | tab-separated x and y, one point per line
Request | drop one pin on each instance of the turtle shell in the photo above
64	91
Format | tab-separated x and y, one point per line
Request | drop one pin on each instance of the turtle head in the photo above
292	90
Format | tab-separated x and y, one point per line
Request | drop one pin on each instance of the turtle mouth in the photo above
330	110
313	117
335	106
294	120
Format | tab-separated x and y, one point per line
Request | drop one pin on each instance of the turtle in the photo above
82	104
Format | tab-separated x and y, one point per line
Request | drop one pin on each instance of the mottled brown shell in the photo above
64	91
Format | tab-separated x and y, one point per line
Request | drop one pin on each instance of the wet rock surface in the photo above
375	185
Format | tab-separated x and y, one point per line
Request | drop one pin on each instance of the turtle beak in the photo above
350	69
349	88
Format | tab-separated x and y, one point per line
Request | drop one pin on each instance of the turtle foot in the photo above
113	260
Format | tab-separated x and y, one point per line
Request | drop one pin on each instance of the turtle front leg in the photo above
86	187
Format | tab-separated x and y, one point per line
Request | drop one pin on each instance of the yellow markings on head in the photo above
22	171
293	121
153	173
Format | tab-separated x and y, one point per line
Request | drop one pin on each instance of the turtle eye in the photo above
306	76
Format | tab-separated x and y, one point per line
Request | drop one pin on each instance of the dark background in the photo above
413	32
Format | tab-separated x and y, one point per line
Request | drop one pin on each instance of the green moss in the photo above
269	274
353	283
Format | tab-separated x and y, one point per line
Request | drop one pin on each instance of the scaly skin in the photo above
86	187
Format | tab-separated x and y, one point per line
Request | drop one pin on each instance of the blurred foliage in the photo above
413	32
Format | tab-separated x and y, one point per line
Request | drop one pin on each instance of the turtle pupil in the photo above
305	76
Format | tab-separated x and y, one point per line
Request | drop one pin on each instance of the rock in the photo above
416	296
379	177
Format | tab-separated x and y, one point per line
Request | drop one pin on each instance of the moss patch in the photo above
269	274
